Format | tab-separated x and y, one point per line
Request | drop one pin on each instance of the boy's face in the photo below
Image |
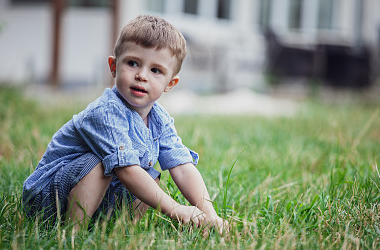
143	74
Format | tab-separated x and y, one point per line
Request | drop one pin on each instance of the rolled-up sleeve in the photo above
100	128
172	151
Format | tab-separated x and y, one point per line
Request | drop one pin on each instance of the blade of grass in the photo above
365	129
228	180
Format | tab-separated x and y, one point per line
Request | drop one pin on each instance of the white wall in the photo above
86	46
26	44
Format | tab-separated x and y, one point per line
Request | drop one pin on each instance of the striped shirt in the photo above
116	134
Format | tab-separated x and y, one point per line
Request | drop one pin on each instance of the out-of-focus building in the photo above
232	43
334	41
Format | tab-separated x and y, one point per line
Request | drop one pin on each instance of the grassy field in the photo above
303	182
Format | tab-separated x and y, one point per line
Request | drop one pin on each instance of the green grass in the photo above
302	182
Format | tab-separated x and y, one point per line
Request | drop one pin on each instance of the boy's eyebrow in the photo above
130	57
160	66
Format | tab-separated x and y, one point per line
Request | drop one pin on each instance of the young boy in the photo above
104	156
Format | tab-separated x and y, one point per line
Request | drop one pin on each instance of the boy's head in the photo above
152	32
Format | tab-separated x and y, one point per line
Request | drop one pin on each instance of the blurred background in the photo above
233	44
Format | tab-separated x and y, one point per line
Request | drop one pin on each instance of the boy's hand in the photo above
218	223
187	214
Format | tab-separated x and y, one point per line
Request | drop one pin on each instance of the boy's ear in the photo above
172	83
112	65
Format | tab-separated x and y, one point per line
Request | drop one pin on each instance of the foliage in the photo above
303	182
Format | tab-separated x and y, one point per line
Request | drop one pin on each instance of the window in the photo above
224	7
19	2
191	6
295	14
156	5
325	14
88	3
82	3
264	14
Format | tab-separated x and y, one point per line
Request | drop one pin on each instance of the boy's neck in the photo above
143	114
146	121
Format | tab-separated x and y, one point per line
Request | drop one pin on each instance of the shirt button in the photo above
150	163
121	148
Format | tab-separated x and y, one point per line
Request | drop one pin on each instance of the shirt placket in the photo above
150	143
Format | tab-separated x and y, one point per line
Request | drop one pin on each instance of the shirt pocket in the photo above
145	155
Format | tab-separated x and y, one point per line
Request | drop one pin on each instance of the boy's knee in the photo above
94	184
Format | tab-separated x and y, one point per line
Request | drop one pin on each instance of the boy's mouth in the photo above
139	89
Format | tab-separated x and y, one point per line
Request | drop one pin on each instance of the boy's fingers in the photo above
222	226
226	226
206	232
200	219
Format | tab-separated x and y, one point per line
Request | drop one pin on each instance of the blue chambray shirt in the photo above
116	134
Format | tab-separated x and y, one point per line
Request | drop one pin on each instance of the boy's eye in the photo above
132	63
156	71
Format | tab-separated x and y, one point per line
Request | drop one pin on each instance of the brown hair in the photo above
152	32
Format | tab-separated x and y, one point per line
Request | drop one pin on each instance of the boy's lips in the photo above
138	90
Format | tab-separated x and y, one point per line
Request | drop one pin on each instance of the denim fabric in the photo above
117	135
53	199
55	196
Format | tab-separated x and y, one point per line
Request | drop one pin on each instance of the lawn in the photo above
304	182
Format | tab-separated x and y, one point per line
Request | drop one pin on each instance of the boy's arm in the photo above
191	184
141	184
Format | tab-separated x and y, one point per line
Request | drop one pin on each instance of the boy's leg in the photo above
140	207
87	195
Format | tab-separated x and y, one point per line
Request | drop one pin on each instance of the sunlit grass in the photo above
303	182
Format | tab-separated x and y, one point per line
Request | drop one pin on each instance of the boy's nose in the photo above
141	76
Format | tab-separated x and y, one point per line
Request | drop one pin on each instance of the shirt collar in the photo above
156	118
121	98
